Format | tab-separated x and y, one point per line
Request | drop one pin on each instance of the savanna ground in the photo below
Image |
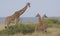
27	29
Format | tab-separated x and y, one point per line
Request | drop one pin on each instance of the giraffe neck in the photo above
39	19
42	20
22	10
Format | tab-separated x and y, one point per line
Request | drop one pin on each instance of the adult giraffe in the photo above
41	25
15	16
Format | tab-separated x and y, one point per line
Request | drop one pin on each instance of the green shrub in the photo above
23	28
52	21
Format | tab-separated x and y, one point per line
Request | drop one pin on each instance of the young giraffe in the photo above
44	26
41	25
39	21
15	16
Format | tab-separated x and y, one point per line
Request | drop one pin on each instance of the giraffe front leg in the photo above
16	21
45	29
36	27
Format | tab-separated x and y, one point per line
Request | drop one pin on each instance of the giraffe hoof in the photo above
5	27
46	31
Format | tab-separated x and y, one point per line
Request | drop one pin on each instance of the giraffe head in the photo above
45	16
28	4
38	15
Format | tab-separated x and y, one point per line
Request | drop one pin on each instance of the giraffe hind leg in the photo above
7	24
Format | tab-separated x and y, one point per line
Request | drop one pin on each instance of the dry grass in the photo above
2	26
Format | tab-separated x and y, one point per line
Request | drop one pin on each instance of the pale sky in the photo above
49	7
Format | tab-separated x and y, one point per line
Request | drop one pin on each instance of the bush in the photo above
23	28
52	21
